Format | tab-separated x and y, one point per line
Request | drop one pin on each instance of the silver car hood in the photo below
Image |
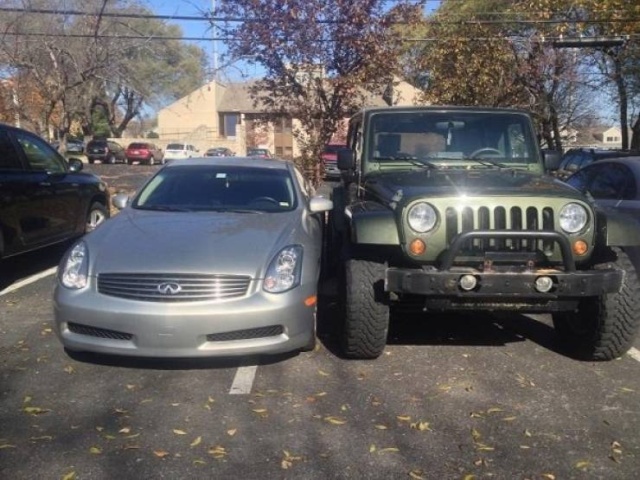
138	241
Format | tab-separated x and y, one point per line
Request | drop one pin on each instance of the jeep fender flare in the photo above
372	224
617	229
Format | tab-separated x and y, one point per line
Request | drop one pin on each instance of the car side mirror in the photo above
75	165
120	200
319	203
346	160
552	159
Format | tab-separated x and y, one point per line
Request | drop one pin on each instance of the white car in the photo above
180	151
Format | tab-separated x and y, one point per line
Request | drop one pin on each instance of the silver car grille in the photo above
501	218
158	287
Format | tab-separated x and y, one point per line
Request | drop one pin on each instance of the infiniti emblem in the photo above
169	288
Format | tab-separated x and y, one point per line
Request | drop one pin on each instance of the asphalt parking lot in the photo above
453	397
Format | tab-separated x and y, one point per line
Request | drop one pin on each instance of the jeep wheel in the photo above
603	327
366	315
97	215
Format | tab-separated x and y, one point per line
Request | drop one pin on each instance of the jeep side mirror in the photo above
346	160
551	159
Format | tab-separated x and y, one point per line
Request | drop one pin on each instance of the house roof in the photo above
236	97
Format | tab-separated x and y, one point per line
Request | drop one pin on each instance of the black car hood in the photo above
494	182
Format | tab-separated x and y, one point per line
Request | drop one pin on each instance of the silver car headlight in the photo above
74	270
422	217
284	270
573	217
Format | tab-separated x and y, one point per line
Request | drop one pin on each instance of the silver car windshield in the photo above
218	188
480	139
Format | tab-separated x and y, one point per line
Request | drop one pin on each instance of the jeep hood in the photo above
457	182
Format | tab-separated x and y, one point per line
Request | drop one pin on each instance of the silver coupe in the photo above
212	257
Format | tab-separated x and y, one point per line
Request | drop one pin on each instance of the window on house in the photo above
278	150
228	122
282	125
288	152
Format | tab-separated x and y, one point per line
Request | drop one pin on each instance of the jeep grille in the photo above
458	220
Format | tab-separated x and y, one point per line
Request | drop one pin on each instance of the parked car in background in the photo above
222	258
219	152
73	146
45	198
145	153
179	151
329	158
613	183
576	158
105	151
259	152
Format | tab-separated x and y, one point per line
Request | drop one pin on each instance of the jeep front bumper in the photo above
507	288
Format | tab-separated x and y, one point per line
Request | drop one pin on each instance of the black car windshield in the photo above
478	139
175	146
218	188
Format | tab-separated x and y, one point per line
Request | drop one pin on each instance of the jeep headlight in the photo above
422	217
73	271
573	217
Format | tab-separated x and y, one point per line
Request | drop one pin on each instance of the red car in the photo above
144	152
329	157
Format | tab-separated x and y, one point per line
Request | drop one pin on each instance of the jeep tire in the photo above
366	313
603	327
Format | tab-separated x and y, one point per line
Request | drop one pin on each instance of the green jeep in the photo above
450	209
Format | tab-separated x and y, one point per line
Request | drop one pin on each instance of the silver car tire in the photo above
95	217
152	161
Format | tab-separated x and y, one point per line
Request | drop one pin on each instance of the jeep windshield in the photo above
457	138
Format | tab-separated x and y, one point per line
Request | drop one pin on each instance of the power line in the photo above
209	18
545	39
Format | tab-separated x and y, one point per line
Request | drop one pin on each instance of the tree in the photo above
322	59
80	64
480	52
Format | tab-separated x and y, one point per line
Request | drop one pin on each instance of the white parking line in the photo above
634	353
243	380
28	280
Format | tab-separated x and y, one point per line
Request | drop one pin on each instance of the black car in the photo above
45	199
105	151
576	158
219	152
73	146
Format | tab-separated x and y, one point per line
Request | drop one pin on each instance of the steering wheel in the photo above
266	200
480	151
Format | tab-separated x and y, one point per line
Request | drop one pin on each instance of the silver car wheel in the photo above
96	216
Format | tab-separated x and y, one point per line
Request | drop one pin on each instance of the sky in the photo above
202	29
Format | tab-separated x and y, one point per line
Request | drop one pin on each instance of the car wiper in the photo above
234	210
420	162
487	163
162	208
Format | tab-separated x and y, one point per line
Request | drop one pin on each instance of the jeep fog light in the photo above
422	217
544	284
468	282
573	218
417	247
580	247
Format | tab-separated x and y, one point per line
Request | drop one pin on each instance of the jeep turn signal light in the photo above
417	247
580	247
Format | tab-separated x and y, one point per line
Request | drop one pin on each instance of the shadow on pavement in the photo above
472	329
16	268
177	363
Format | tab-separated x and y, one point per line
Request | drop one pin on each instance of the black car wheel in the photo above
111	159
603	327
96	216
366	313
